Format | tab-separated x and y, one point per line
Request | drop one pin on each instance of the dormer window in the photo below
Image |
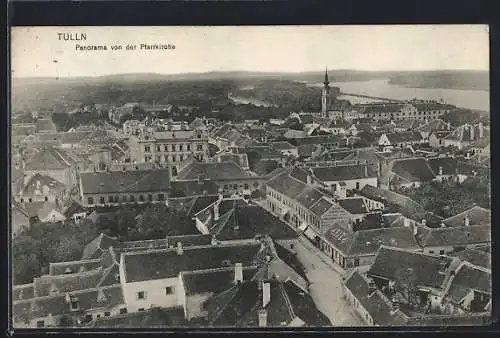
75	304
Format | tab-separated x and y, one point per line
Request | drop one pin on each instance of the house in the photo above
285	148
153	278
233	154
193	188
264	303
351	249
465	135
358	207
357	128
305	207
473	216
448	240
406	125
293	134
348	176
42	188
446	169
427	276
375	308
436	138
432	127
118	187
336	126
54	163
229	176
20	218
402	139
476	257
407	172
45	126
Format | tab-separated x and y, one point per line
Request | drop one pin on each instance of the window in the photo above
147	149
30	200
188	147
357	185
74	305
141	295
245	186
165	148
158	148
107	314
110	199
40	323
46	198
102	200
123	311
441	252
356	261
88	318
132	198
169	290
180	147
117	198
173	147
181	158
141	198
90	200
235	186
98	316
173	158
161	197
141	309
199	147
150	197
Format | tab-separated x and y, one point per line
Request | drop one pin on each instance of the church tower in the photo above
325	99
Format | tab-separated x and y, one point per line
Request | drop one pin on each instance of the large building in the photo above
168	147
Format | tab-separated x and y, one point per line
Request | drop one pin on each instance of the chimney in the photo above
472	132
238	273
440	171
266	293
262	318
407	222
394	304
467	221
213	241
443	225
481	130
179	249
46	190
371	288
67	298
424	222
449	126
366	170
37	189
216	211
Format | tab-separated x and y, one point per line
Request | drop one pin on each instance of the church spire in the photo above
326	82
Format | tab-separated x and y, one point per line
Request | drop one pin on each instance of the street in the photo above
325	288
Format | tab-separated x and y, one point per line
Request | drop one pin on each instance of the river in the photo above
471	99
250	100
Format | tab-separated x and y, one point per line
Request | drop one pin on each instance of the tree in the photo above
158	221
66	321
406	285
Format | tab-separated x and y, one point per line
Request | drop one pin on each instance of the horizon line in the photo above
256	71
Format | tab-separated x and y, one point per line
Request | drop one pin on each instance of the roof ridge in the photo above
77	261
287	300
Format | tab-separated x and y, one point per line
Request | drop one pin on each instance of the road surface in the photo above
325	288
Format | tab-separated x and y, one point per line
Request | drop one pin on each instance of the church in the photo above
329	104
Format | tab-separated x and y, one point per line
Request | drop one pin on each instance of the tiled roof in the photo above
43	125
240	159
466	319
264	167
354	206
20	292
98	245
40	181
190	240
27	310
428	106
467	279
299	174
343	172
322	139
46	209
246	222
381	108
282	145
448	165
476	215
321	207
167	263
47	159
434	125
367	242
304	306
47	285
222	130
73	208
157	180
476	257
408	124
193	188
292	133
408	136
74	266
459	236
376	304
150	318
286	185
413	170
309	197
463	133
215	170
306	150
213	281
427	270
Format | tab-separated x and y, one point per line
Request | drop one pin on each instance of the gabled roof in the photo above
408	136
457	236
98	245
40	181
20	292
246	222
433	126
61	268
157	180
193	188
343	172
426	270
212	170
160	264
44	125
475	257
292	133
407	124
467	279
463	133
376	303
47	285
476	215
48	159
447	164
413	170
286	185
354	206
367	242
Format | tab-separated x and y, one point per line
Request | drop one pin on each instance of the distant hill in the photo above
465	80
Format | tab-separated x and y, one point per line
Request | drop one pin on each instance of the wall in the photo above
155	294
63	175
54	216
97	197
351	184
356	305
194	305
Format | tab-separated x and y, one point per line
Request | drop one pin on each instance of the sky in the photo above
38	51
